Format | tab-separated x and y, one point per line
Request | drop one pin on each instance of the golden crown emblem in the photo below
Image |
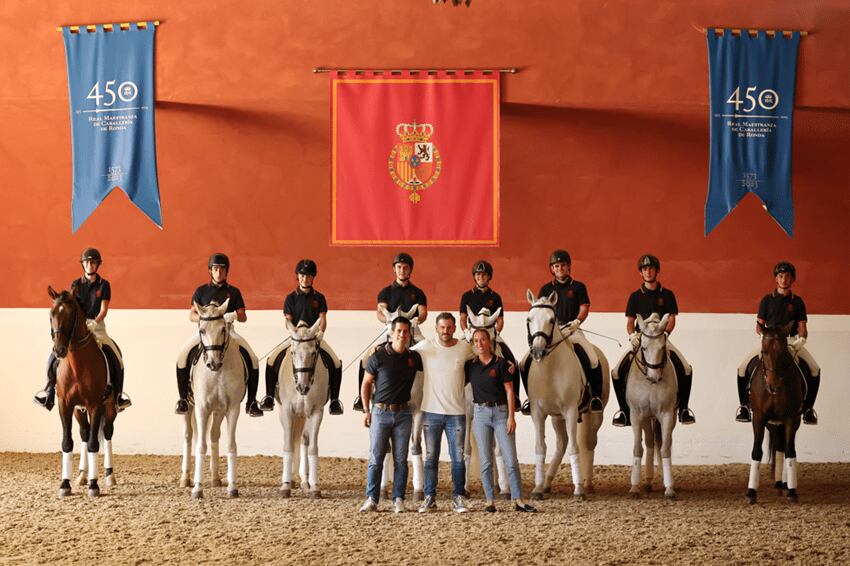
414	132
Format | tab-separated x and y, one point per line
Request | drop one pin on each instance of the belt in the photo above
493	404
392	407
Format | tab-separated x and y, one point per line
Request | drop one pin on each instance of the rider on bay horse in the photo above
571	309
93	292
651	298
305	304
217	290
401	293
777	309
481	296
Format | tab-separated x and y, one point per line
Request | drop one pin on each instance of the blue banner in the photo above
111	91
752	116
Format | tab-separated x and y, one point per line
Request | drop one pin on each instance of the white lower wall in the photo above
714	344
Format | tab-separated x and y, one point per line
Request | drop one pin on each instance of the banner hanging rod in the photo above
511	70
93	27
752	32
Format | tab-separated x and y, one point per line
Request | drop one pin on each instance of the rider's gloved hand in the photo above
634	338
573	325
798	343
229	317
320	335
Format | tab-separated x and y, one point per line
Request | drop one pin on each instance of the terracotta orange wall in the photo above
604	149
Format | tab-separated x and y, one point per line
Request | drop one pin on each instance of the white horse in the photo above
218	386
556	384
302	395
651	394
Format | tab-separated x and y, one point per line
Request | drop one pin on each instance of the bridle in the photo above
548	336
213	347
310	370
775	371
644	365
70	335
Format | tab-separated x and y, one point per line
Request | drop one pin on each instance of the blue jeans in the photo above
455	427
386	425
488	422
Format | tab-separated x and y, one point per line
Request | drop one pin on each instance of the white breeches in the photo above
579	338
685	363
195	340
285	346
99	331
802	353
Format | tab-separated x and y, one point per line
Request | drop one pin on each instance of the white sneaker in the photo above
460	504
428	505
368	506
398	505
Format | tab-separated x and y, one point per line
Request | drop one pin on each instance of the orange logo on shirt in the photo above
493	372
410	362
570	293
660	301
790	307
315	304
97	294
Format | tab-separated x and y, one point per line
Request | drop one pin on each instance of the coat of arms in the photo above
414	163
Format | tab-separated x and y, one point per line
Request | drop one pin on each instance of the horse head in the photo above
775	355
411	315
305	353
214	332
482	321
542	324
65	317
653	346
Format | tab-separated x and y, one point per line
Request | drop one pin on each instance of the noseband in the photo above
310	370
773	370
644	365
70	335
213	347
548	336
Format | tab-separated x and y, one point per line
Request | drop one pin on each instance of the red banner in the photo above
415	159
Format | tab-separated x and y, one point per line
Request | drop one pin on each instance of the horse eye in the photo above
203	331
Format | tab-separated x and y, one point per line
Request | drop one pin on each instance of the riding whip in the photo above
279	344
369	345
600	335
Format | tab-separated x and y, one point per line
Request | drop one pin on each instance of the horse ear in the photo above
639	320
289	326
315	328
553	297
469	312
223	308
761	326
497	314
198	308
50	291
663	322
413	310
530	296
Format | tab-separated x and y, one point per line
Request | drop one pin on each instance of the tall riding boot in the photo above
267	403
47	398
117	373
335	375
251	407
743	415
810	417
621	417
523	374
686	416
594	376
358	402
182	406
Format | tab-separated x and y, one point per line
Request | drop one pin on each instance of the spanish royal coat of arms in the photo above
414	162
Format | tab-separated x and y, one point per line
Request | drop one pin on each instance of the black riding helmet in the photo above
559	256
785	267
649	260
403	258
306	267
91	254
482	266
219	259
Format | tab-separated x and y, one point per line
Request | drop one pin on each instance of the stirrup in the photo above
358	404
596	405
122	401
744	414
686	417
267	403
526	408
810	417
620	419
43	401
182	407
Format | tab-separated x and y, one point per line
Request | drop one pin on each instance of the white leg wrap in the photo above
385	474
314	471
92	466
791	464
66	465
575	469
667	470
636	471
754	475
199	466
107	453
302	464
231	470
539	463
83	458
418	472
779	468
287	467
187	456
503	475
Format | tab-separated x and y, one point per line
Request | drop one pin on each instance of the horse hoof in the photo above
647	488
634	494
547	490
536	496
314	494
792	496
216	482
588	487
385	493
233	493
82	479
418	496
579	497
751	496
94	492
669	497
466	493
64	492
304	486
197	494
184	482
285	493
506	496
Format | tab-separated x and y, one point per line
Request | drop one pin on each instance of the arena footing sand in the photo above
148	519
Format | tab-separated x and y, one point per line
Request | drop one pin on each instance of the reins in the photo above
643	365
213	347
311	370
71	343
549	337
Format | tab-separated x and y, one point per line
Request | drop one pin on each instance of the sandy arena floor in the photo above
147	519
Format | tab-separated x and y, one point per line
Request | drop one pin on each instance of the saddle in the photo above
800	364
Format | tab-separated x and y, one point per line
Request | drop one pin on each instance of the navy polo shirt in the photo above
644	302
394	374
478	299
396	296
488	380
572	295
778	310
206	294
91	294
305	306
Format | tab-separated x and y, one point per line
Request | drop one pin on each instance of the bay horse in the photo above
81	383
776	399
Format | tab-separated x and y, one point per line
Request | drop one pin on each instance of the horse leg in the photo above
780	474
758	452
232	419
215	435
666	424
539	420
790	430
67	447
313	424
85	430
108	430
416	456
502	471
96	414
385	472
187	449
288	448
638	426
304	462
652	445
201	420
560	427
571	421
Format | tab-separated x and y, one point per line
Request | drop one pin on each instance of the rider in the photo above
572	308
217	290
93	292
307	305
481	296
652	298
402	294
777	309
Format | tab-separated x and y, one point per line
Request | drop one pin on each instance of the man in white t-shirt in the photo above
443	360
